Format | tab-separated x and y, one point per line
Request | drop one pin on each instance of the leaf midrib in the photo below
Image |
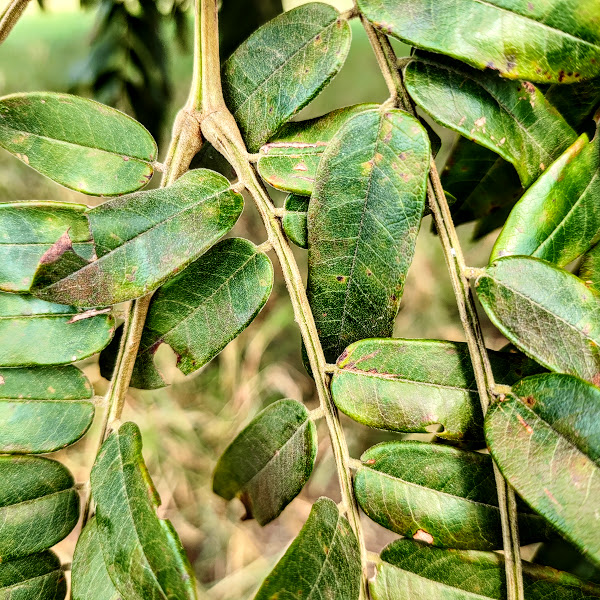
540	23
132	240
195	309
145	161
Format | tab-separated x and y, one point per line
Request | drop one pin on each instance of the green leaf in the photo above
558	218
406	385
142	553
546	312
79	143
270	460
141	241
437	494
538	41
487	187
589	270
39	505
322	562
29	229
43	409
30	329
512	119
289	161
281	67
576	103
199	312
545	437
36	577
90	579
294	220
406	572
465	168
363	221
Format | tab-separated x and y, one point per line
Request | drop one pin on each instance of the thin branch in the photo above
185	143
221	130
10	15
466	307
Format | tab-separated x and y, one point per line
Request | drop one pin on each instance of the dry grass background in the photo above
187	425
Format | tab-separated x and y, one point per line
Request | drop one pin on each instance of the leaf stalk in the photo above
221	130
459	273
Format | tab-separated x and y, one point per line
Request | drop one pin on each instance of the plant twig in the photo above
10	15
221	130
185	143
458	271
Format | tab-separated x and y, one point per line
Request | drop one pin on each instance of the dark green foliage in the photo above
269	462
359	250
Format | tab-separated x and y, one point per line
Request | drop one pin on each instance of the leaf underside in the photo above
43	409
546	312
322	562
199	312
408	385
141	240
552	41
269	462
438	494
300	51
545	438
363	221
142	553
406	573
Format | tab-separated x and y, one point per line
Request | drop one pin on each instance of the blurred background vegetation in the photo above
136	55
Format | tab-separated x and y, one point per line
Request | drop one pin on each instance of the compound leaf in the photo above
406	569
79	143
141	241
363	221
89	577
142	553
29	229
269	462
322	562
200	311
510	118
289	161
43	409
558	218
300	51
547	312
406	385
39	505
437	494
35	577
545	438
294	220
36	332
555	41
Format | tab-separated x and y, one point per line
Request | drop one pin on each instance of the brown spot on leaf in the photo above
525	424
596	379
530	401
423	536
341	278
62	245
371	461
